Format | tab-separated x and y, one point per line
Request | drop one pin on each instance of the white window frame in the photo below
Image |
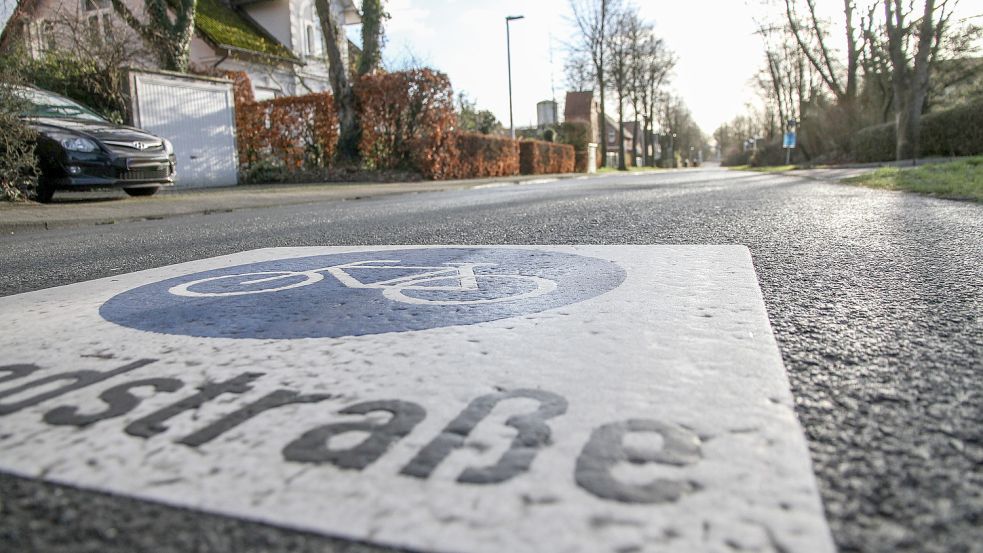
309	40
98	17
312	40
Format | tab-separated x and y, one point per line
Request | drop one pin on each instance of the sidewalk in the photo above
72	209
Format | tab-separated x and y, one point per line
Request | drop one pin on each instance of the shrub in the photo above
767	153
281	138
952	132
83	80
407	119
483	155
876	143
537	157
737	157
301	132
242	86
18	164
576	135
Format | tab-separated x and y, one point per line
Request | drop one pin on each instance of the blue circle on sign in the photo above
361	293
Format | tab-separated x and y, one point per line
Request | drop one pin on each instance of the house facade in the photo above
611	141
582	107
278	43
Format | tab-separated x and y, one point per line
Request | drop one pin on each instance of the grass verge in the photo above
604	170
955	180
766	169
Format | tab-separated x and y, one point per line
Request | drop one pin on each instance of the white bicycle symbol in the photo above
459	277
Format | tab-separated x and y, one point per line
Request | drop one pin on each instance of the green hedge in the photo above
952	132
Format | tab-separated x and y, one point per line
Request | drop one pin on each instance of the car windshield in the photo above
41	103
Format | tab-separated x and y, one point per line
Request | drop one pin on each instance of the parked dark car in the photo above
78	149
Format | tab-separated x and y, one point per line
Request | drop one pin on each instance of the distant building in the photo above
582	107
611	139
278	43
546	114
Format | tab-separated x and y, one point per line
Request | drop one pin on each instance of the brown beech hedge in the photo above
537	157
484	155
407	120
301	132
408	123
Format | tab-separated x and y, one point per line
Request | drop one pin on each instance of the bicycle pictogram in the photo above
450	284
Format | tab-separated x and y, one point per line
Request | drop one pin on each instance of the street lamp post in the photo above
508	52
672	150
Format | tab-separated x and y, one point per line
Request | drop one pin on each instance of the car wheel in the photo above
44	192
142	190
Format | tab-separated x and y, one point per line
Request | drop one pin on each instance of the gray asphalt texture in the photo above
875	298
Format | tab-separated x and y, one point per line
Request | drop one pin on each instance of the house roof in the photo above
578	104
613	125
352	12
227	28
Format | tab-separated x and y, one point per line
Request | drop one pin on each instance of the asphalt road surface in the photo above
875	298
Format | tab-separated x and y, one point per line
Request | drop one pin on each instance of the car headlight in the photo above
78	144
168	147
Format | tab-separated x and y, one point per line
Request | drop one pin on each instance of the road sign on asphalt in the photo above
578	398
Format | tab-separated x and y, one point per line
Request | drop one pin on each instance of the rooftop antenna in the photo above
555	106
552	80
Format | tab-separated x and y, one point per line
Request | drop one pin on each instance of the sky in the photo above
718	52
713	39
6	8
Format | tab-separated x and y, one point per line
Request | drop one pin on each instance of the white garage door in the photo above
195	114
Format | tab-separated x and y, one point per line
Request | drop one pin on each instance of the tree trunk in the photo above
910	83
346	103
599	69
621	136
372	36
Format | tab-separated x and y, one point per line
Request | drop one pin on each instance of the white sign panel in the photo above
480	399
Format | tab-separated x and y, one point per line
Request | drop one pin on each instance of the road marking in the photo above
487	399
360	293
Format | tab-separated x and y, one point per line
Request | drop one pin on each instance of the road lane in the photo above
874	298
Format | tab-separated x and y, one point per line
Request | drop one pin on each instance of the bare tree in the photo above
592	20
579	72
680	132
657	63
639	36
812	38
788	81
619	54
346	103
168	29
875	60
913	46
